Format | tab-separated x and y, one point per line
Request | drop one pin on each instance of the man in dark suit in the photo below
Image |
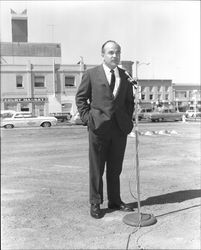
105	102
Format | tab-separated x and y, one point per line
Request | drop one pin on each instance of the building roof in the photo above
187	86
31	49
159	82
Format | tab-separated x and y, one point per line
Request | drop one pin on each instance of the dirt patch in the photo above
45	190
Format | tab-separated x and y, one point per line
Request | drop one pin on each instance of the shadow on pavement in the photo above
173	197
178	210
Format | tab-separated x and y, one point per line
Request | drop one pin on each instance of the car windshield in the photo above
6	115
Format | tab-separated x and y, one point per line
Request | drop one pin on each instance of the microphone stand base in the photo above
134	220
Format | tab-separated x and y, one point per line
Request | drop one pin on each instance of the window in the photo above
166	88
143	96
19	81
151	89
151	97
25	107
6	115
166	96
39	81
181	94
10	106
18	116
69	81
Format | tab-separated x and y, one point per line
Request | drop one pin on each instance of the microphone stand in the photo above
137	219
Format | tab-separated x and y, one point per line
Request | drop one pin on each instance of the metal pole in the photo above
138	219
137	144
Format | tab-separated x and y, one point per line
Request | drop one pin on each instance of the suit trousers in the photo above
106	151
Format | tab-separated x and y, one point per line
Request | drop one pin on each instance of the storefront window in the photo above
25	107
10	106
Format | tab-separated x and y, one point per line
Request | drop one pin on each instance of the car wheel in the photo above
9	126
46	124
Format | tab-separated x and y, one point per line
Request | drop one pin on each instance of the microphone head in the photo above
131	80
126	72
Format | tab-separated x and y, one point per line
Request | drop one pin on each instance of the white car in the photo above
13	119
191	113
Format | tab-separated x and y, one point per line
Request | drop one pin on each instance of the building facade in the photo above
187	96
40	89
33	78
50	88
156	92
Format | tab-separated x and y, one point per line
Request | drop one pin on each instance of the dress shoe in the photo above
95	211
122	207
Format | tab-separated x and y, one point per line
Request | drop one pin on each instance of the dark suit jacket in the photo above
97	105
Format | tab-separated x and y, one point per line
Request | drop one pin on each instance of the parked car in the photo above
194	117
6	113
165	115
62	116
142	114
25	119
191	113
76	119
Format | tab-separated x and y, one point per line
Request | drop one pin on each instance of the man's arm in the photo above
83	96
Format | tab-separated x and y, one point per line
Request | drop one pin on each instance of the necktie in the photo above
112	81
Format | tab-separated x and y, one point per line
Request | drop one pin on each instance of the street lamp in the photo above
138	219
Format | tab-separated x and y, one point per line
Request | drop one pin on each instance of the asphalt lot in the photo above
44	189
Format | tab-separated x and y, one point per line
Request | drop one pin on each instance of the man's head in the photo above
111	52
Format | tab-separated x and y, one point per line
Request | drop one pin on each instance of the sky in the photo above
165	34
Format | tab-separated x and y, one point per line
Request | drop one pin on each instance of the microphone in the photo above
131	80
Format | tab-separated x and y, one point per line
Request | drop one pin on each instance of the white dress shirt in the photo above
108	76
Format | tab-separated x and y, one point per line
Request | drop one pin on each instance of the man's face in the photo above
111	55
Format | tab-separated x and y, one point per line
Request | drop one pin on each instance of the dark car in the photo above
62	116
142	114
165	115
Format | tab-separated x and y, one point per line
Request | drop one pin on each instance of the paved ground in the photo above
44	187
